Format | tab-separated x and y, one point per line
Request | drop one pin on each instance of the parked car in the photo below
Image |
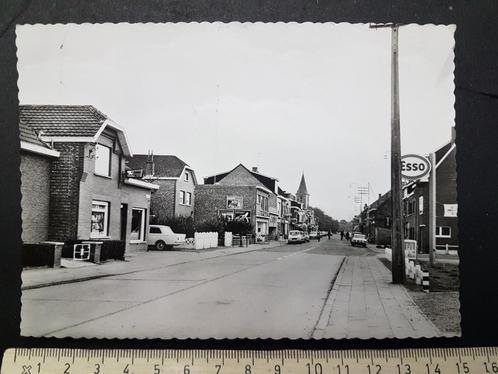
359	240
314	235
296	236
162	237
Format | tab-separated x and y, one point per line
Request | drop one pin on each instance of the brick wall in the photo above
163	200
210	198
65	175
35	190
182	210
446	193
240	177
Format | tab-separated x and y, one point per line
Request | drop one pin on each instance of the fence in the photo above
204	240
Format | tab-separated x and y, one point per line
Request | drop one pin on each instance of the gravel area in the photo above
442	308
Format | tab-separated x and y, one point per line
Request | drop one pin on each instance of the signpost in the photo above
414	167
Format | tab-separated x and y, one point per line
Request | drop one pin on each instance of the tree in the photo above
325	222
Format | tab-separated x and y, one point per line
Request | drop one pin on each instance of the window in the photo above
186	176
263	202
421	205
102	160
443	232
100	219
137	225
189	198
182	197
154	230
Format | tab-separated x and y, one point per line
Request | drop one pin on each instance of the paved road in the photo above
277	292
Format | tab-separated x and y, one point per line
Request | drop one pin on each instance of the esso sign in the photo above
414	166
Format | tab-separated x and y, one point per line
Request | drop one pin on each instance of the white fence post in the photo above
228	239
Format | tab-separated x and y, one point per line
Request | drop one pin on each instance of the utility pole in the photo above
398	253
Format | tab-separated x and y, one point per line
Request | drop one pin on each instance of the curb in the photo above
92	277
323	320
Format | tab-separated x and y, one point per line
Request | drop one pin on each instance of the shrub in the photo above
238	227
179	225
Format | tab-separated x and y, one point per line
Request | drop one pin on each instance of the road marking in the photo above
172	293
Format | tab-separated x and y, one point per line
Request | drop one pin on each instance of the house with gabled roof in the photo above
176	179
90	194
241	192
416	197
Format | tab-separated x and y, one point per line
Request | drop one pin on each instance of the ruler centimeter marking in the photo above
135	361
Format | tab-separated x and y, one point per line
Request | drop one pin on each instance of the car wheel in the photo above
160	245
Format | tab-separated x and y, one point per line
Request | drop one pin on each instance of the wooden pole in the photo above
398	253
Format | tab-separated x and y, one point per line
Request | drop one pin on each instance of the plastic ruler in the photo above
170	361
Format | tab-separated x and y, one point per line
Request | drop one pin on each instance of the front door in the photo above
124	220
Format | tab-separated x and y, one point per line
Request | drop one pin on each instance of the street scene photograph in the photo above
238	180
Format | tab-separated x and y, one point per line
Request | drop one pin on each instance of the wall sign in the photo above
414	167
450	210
234	202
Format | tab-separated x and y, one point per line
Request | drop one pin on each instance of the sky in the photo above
288	98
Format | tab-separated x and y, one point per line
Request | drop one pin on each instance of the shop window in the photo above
137	225
100	219
421	205
443	232
102	160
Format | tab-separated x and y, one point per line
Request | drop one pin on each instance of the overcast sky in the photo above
288	98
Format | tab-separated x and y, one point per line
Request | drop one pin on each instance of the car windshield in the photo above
359	236
295	232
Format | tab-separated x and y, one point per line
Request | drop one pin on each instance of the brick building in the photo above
240	194
416	203
176	181
90	195
36	161
375	220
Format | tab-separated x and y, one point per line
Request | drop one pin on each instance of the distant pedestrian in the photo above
347	235
318	235
329	234
342	234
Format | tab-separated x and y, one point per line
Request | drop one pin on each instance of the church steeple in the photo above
302	193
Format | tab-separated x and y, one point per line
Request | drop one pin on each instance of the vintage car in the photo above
162	237
359	240
296	236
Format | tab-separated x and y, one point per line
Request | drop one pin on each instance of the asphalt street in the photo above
276	292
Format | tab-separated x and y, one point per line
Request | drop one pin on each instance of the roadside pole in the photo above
398	253
432	210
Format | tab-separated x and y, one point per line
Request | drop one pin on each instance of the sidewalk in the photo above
138	261
364	303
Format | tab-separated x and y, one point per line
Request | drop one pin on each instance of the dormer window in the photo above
102	160
186	176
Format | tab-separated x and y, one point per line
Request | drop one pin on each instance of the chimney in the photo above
149	165
453	134
380	195
255	169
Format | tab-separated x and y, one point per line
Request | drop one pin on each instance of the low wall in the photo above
42	254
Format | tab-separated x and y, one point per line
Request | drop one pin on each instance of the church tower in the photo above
302	194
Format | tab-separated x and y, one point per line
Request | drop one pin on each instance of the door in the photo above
124	220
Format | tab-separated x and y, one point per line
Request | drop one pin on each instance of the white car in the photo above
295	236
162	237
359	240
